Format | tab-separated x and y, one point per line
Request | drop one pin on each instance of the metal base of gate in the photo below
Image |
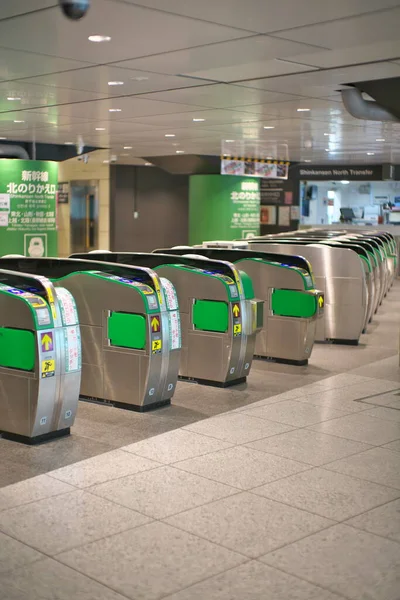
344	342
39	439
219	384
124	406
283	361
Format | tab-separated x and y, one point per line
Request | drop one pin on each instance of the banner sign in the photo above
254	167
339	172
28	219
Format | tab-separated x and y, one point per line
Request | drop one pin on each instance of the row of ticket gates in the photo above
123	327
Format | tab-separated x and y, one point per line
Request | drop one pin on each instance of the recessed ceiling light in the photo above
114	110
303	109
198	120
13	99
180	151
370	153
19	121
229	141
115	83
307	160
100	128
148	164
327	150
141	78
344	182
99	38
69	144
106	162
269	127
169	135
380	139
327	134
127	147
3	138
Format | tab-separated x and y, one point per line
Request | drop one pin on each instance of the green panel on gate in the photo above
127	330
292	303
247	285
17	349
211	315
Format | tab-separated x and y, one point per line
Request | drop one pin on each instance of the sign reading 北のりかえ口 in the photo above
28	222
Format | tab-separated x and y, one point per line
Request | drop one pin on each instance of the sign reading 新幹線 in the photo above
28	219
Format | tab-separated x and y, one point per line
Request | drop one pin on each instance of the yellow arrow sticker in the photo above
320	301
236	310
155	324
47	342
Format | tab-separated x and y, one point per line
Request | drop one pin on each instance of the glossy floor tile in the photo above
284	488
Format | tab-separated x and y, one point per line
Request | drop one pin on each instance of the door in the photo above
84	216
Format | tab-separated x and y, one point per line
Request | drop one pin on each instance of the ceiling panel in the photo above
164	60
261	68
15	64
127	108
262	16
135	32
224	54
28	95
221	96
377	27
359	54
10	8
211	118
96	79
323	83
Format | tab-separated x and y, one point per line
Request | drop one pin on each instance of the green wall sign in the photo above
28	207
223	207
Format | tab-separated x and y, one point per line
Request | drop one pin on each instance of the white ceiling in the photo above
238	65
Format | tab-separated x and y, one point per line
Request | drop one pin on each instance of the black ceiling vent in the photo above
385	92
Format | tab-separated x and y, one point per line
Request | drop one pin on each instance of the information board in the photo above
28	218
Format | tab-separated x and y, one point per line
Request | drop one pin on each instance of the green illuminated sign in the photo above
223	207
28	207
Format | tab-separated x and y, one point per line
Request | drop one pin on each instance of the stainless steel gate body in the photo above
287	335
40	374
128	357
210	354
340	275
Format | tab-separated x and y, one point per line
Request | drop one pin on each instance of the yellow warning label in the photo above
158	290
39	303
48	368
321	301
156	346
49	293
237	329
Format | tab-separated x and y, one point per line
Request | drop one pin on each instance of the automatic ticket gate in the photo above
291	303
130	329
219	314
375	247
40	358
340	275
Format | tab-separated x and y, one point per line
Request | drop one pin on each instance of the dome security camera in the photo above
74	9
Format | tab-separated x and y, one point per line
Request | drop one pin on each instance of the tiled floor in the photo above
285	489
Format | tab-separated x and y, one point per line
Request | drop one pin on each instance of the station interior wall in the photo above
149	208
